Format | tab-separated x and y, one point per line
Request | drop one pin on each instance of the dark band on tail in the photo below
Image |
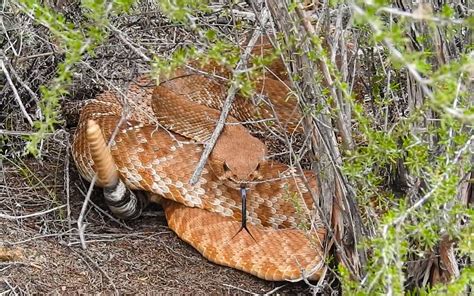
123	202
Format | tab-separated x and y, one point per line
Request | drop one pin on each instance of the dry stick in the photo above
423	16
129	44
341	122
274	290
67	181
8	217
11	288
234	88
23	83
345	133
333	156
2	175
19	133
240	289
39	55
58	234
15	92
81	227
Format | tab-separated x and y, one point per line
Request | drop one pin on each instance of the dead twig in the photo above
264	15
39	55
342	124
9	217
96	265
19	133
241	290
25	86
15	92
136	49
274	290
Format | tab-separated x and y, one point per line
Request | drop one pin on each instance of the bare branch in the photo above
15	92
264	15
9	217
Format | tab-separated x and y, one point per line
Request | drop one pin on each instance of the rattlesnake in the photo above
145	157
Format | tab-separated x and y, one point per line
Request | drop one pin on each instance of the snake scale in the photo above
160	131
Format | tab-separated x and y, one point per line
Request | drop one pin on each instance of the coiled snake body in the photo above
145	157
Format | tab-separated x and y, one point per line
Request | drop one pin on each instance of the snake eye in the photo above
226	168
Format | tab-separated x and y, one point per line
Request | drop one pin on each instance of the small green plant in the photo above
75	42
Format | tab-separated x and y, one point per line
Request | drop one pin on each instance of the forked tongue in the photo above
243	196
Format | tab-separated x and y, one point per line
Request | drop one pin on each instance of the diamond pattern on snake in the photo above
160	132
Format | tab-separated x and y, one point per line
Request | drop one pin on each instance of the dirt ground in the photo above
43	254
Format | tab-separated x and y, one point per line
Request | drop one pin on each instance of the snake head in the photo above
237	156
